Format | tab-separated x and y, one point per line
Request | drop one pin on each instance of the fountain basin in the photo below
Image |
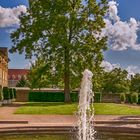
99	136
52	129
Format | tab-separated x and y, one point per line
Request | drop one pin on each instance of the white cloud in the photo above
108	66
113	11
10	16
121	34
132	70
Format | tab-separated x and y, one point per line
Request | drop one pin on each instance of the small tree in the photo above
6	94
22	82
14	92
1	93
134	98
11	92
122	97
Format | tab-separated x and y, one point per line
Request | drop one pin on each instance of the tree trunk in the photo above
67	76
67	87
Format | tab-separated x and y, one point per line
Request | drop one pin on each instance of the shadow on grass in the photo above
42	104
13	105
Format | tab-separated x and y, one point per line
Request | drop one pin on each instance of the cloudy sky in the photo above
122	30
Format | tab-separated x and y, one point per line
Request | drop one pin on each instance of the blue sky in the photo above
126	10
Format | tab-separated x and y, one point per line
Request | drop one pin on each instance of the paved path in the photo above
7	113
104	121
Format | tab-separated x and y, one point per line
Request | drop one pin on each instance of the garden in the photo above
52	103
7	95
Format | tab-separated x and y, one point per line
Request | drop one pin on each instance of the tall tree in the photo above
135	83
65	34
37	77
116	81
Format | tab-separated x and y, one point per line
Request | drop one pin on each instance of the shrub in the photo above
35	96
97	97
1	93
122	97
74	96
128	98
139	99
6	95
134	98
14	91
11	93
50	97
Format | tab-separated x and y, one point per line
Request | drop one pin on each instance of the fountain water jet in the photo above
85	108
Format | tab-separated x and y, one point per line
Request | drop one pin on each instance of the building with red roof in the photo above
14	75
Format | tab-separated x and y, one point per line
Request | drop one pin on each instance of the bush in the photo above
6	95
134	98
50	97
97	97
56	97
128	98
1	93
122	97
14	91
11	93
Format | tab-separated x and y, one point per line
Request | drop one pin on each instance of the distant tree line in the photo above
115	81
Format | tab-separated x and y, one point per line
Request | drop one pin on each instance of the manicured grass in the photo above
69	109
47	108
116	109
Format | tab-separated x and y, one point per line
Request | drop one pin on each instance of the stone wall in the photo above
110	98
22	95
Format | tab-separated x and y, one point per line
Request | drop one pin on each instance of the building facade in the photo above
3	67
14	75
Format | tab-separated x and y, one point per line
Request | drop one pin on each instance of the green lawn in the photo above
69	109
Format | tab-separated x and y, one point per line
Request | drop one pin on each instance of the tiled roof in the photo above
16	74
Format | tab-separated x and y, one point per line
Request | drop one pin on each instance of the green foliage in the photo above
50	97
11	92
128	98
70	109
134	98
97	97
61	34
135	83
14	91
122	97
6	94
1	93
116	81
22	82
57	97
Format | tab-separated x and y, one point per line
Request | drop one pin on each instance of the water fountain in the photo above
85	108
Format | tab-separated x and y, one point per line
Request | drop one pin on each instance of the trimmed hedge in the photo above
56	97
11	92
134	98
1	93
50	97
122	97
14	92
97	97
6	94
